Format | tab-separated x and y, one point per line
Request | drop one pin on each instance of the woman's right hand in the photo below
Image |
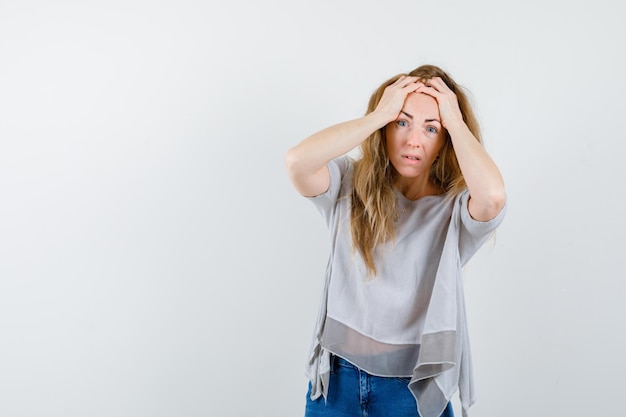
306	162
395	94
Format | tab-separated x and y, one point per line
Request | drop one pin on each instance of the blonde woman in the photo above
404	217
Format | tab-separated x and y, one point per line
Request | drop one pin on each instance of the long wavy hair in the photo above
374	202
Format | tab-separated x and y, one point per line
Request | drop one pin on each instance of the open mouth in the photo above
411	157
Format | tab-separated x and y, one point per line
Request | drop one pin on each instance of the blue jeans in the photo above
355	393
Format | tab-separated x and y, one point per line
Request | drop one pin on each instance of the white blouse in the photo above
409	319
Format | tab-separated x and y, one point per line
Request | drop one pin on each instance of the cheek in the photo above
390	141
393	148
438	146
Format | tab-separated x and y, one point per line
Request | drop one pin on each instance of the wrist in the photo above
456	127
380	120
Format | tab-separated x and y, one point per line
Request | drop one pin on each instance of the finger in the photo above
417	87
429	90
438	84
414	86
405	80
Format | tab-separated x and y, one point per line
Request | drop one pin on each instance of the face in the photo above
415	138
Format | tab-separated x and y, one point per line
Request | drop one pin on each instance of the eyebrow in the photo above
427	120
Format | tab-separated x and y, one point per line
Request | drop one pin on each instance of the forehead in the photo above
421	104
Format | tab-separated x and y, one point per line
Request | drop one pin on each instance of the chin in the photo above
408	174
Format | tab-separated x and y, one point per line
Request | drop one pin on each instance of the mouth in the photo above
411	157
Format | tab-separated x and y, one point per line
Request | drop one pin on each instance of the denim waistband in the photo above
336	361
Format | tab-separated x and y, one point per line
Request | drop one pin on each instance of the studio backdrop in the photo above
155	261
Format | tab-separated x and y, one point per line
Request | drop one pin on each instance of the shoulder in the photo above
343	163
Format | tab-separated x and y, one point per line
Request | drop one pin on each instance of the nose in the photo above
414	139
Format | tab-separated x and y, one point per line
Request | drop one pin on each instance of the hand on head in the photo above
395	94
447	101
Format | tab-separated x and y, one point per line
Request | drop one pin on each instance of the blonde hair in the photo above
374	202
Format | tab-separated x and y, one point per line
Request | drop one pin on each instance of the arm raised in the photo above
306	162
482	176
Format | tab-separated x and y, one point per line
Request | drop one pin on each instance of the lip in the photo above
413	159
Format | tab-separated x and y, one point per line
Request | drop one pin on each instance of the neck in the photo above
416	188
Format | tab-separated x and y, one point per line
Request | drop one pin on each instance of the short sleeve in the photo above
327	201
474	233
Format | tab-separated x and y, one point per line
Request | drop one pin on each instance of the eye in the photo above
432	129
402	123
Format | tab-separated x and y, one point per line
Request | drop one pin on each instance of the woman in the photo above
405	216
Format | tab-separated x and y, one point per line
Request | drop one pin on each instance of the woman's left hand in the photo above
447	101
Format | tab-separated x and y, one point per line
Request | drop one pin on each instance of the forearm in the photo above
317	150
306	162
482	176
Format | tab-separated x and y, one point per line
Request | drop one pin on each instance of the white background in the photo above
155	261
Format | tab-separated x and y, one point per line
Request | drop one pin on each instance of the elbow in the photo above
296	164
292	161
495	201
498	201
487	205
